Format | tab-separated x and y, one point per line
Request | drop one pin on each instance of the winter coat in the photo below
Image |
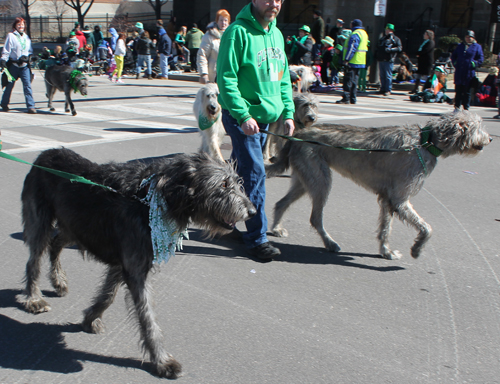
388	47
165	45
318	29
81	39
98	38
120	49
144	46
426	58
466	59
193	38
114	38
208	52
303	53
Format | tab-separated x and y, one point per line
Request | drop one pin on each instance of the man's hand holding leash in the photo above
250	127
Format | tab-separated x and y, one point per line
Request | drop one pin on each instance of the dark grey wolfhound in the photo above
393	176
113	227
59	77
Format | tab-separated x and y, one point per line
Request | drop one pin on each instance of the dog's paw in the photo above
279	232
96	326
392	255
170	369
415	252
333	247
60	284
36	306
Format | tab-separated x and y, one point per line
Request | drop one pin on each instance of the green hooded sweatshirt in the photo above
252	71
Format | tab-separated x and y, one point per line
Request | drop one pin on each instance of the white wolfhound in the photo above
207	112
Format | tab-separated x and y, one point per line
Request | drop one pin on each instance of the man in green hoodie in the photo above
255	90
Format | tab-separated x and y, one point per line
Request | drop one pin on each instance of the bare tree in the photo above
156	5
78	6
26	4
58	8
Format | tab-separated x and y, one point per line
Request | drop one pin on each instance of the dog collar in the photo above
427	144
205	123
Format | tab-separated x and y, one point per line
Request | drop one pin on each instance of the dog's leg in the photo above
319	189
166	365
92	321
57	275
37	229
407	214
295	192
267	146
384	230
215	142
69	102
50	94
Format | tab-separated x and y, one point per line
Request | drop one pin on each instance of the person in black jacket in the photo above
301	47
425	57
165	51
389	46
317	33
144	46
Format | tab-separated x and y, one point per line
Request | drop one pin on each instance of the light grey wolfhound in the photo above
64	78
393	176
115	227
207	112
306	114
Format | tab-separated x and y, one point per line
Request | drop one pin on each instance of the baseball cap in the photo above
305	28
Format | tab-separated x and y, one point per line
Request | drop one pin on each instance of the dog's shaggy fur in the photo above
306	114
393	176
57	78
207	107
306	75
113	228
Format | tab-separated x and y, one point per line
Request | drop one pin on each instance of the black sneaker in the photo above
342	101
5	108
264	251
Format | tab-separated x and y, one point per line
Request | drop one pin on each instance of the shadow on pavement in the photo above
290	253
41	346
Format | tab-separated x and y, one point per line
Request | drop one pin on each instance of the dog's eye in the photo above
224	184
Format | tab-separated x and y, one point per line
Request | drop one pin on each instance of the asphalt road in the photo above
309	316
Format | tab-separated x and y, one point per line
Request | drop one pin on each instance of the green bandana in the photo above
205	123
72	81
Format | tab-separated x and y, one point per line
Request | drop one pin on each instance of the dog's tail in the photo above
281	163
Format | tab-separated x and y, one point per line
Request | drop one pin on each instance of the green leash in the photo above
424	143
66	175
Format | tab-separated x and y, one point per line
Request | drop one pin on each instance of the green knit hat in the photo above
389	26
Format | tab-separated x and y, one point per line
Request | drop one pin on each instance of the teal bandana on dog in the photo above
166	236
205	123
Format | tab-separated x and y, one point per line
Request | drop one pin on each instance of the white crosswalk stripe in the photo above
103	122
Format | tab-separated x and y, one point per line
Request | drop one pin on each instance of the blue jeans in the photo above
247	152
140	63
25	75
385	75
164	64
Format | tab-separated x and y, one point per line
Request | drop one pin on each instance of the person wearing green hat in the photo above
336	64
72	42
301	47
389	46
326	58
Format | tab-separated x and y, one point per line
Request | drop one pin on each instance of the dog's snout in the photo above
491	139
252	212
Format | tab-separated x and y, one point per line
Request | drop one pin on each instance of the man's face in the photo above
469	39
302	33
266	11
388	31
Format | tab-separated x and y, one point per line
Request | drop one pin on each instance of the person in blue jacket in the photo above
466	58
